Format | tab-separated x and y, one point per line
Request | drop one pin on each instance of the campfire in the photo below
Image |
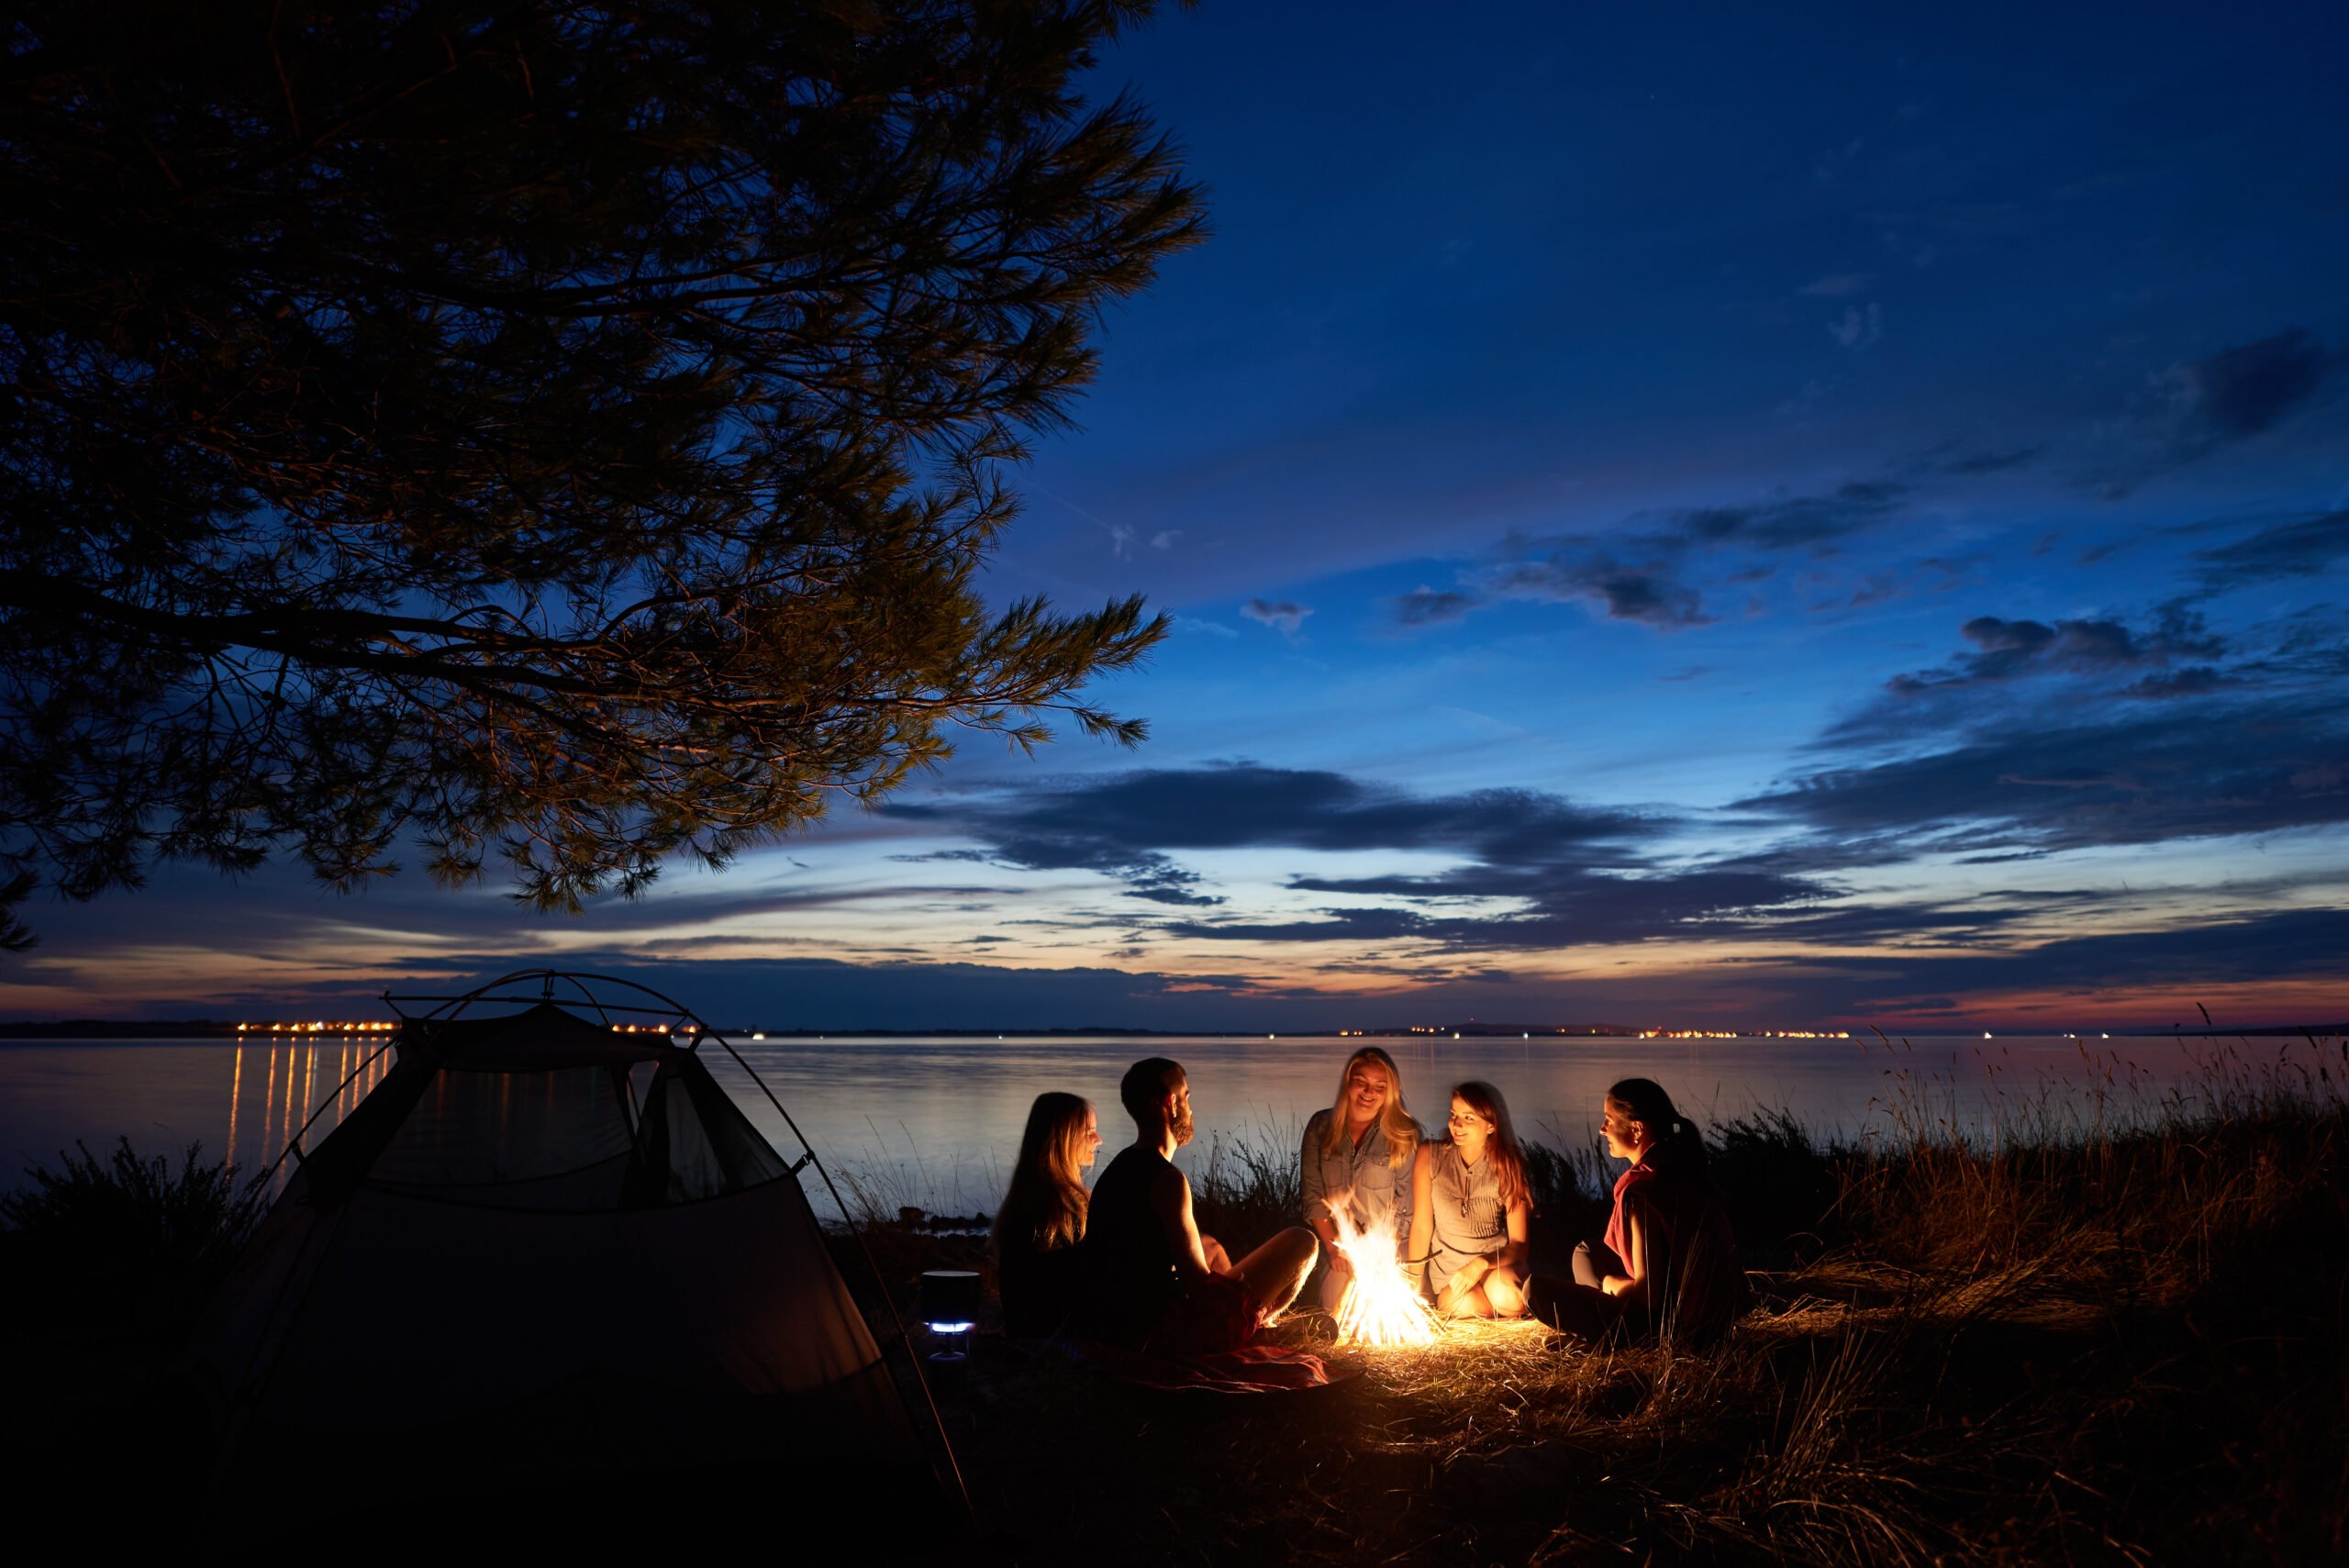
1380	1306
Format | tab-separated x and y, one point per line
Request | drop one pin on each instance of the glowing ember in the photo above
1380	1307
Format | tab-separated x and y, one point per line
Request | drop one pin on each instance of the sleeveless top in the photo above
1698	1286
1129	1267
1466	1205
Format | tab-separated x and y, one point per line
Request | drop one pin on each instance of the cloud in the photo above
2196	680
2295	944
1858	327
1575	872
2238	768
1569	904
2011	649
2199	406
1646	592
1428	607
1563	873
1285	615
1336	925
2298	546
1109	822
1165	539
2251	388
1648	576
1836	285
1992	461
1797	521
1193	625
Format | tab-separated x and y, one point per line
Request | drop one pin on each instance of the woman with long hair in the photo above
1357	1156
1470	1206
1668	1263
1041	1218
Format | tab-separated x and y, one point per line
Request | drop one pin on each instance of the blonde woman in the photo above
1042	1216
1471	1208
1359	1153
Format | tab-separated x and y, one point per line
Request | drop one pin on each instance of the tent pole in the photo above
953	1465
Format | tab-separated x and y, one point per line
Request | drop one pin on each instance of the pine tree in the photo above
558	434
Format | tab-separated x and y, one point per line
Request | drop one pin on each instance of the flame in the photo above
1380	1306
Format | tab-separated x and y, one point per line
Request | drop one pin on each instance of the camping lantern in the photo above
950	1308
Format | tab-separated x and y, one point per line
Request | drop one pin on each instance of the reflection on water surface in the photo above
933	1122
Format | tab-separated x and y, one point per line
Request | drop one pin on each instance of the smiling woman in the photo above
1356	1162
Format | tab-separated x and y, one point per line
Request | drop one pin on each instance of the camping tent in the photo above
544	1252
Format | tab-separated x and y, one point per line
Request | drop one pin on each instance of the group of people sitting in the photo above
1127	1263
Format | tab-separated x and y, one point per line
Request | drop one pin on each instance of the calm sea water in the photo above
934	1123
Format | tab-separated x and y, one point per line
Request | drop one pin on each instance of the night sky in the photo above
1709	514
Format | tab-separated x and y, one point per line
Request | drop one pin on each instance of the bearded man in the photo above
1156	1283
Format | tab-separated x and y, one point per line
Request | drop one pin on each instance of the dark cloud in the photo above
2196	680
2298	546
1565	874
1805	520
1131	819
2251	767
1282	615
1335	925
1429	607
2011	649
1993	461
1569	905
1652	574
2246	389
2297	944
2200	405
1647	593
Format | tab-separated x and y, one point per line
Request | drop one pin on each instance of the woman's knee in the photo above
1587	1269
1298	1248
1506	1292
1469	1303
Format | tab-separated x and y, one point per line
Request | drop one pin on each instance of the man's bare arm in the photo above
1170	1198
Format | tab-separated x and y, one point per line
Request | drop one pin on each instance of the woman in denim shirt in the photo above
1358	1154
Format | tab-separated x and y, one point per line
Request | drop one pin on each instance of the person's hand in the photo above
1340	1264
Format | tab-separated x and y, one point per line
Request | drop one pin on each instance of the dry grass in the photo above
2094	1339
2116	1336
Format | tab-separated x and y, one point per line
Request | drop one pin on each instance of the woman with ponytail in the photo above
1668	1264
1041	1218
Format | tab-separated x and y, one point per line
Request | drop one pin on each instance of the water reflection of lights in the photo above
360	1065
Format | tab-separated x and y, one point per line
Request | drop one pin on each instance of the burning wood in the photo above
1380	1306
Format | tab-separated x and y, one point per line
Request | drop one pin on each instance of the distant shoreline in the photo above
216	1028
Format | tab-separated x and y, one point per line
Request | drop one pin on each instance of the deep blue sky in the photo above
1759	515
